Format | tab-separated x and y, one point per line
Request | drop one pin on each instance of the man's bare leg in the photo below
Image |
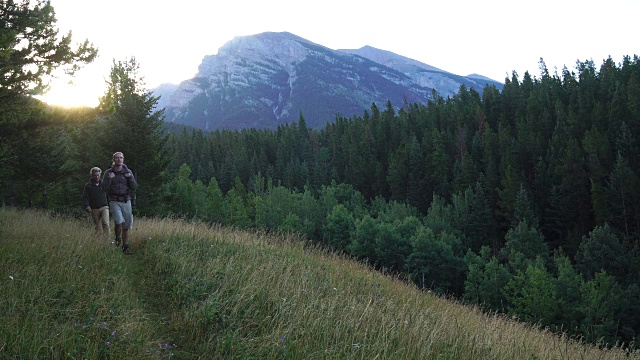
125	241
118	229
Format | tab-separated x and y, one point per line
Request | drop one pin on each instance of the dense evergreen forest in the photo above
525	201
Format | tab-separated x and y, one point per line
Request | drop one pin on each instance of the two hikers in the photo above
113	194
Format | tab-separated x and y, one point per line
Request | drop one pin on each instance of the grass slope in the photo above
192	291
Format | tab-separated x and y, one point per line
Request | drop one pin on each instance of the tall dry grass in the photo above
193	291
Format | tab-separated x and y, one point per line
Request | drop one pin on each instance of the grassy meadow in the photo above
193	291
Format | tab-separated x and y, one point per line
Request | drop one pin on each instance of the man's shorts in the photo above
121	213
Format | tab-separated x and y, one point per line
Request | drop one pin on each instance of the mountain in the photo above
445	83
268	79
164	91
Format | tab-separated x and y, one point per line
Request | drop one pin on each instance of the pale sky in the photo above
490	37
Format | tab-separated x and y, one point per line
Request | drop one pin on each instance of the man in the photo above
95	202
119	181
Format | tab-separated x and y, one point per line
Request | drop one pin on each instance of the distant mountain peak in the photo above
268	79
478	76
390	59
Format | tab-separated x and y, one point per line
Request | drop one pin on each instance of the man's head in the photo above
95	174
118	159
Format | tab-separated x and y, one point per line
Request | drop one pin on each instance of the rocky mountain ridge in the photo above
269	79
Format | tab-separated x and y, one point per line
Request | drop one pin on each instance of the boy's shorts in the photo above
121	213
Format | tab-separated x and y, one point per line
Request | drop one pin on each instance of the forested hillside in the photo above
525	201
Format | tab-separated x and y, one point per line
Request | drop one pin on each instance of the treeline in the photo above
525	201
595	296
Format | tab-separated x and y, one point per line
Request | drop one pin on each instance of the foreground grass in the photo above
191	291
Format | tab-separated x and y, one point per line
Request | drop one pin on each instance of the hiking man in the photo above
119	181
95	202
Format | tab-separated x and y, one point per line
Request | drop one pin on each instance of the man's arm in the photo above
85	199
131	180
106	181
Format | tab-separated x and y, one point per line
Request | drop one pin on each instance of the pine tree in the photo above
602	251
31	48
236	213
184	194
481	228
600	308
416	180
391	247
575	199
596	146
524	244
623	196
568	283
338	227
398	173
509	186
132	126
363	244
438	165
486	279
532	295
523	210
433	263
214	202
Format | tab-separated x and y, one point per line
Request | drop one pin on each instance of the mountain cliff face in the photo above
445	83
269	79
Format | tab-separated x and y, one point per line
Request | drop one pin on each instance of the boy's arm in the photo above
106	181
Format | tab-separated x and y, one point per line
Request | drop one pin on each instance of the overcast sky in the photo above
491	37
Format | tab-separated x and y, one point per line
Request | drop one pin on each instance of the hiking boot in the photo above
125	249
117	242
